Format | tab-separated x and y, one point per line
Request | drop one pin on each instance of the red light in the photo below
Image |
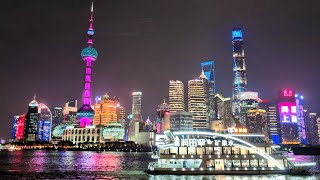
287	93
265	100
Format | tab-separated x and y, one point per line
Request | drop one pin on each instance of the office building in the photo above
288	117
239	69
312	128
248	100
121	115
176	96
197	102
105	111
20	127
163	117
136	122
57	116
31	122
44	123
208	68
181	121
257	121
300	119
223	109
14	127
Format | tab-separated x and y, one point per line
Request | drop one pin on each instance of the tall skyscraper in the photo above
300	118
176	96
121	114
163	117
208	68
136	105
31	122
273	123
45	122
197	102
20	127
85	114
14	127
312	128
105	111
57	117
288	117
136	122
239	70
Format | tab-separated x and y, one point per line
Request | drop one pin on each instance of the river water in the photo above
104	165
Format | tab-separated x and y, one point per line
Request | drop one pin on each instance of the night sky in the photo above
144	44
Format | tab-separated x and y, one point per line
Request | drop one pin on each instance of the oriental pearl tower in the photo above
85	114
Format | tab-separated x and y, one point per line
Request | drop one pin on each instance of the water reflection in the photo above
105	165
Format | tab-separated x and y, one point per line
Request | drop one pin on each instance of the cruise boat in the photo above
208	152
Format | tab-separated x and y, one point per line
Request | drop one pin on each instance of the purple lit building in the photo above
85	114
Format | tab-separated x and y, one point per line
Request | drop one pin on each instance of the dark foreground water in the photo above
104	165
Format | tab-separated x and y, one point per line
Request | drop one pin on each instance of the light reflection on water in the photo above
106	165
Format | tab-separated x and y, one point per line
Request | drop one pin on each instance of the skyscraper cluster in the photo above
192	106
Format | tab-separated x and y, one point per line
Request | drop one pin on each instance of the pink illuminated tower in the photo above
85	114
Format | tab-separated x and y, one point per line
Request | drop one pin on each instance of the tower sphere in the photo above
89	52
85	112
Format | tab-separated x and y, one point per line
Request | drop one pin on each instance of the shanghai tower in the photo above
239	70
85	114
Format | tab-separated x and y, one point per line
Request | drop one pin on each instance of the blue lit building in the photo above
300	118
14	127
239	70
45	123
208	68
31	122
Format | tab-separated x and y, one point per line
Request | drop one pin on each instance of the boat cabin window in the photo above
200	150
262	163
245	163
209	150
236	163
182	150
192	150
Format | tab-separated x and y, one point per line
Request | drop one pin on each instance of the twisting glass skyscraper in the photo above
239	69
85	114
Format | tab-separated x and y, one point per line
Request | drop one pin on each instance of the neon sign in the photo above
287	93
288	112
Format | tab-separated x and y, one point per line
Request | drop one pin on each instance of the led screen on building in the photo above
288	112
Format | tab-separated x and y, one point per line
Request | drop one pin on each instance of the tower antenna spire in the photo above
90	31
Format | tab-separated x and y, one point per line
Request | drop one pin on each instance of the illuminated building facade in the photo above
31	122
176	96
121	115
20	127
70	110
208	68
181	121
223	109
257	121
81	135
197	103
113	132
105	111
248	100
273	123
239	70
163	117
312	128
85	114
136	122
136	104
44	123
300	118
57	116
288	117
14	127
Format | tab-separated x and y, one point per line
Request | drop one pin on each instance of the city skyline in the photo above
109	40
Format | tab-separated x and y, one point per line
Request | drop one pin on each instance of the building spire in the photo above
202	75
90	31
